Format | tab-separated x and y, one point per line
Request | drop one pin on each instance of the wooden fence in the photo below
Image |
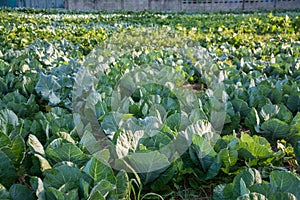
175	5
181	5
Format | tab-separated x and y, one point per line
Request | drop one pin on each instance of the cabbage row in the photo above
140	105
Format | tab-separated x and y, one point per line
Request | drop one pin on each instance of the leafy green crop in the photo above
187	105
248	184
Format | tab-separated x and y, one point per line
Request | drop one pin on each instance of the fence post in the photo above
275	4
243	6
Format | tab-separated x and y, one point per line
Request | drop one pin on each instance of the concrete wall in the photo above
181	5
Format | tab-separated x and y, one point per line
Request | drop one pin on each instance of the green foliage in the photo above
248	185
48	151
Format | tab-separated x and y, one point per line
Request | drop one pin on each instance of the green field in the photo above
148	105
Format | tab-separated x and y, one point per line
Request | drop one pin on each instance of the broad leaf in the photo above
263	188
228	157
103	187
55	194
122	184
297	151
18	148
295	129
4	140
255	148
48	87
83	189
285	182
66	152
293	102
20	192
203	154
99	170
163	179
8	120
149	164
96	195
249	177
282	196
284	114
243	188
241	107
275	129
7	170
58	176
72	194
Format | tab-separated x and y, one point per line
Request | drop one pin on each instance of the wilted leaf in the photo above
35	144
44	164
252	121
38	186
269	111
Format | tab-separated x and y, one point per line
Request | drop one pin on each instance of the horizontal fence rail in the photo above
181	5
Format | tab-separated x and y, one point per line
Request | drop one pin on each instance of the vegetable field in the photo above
145	105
